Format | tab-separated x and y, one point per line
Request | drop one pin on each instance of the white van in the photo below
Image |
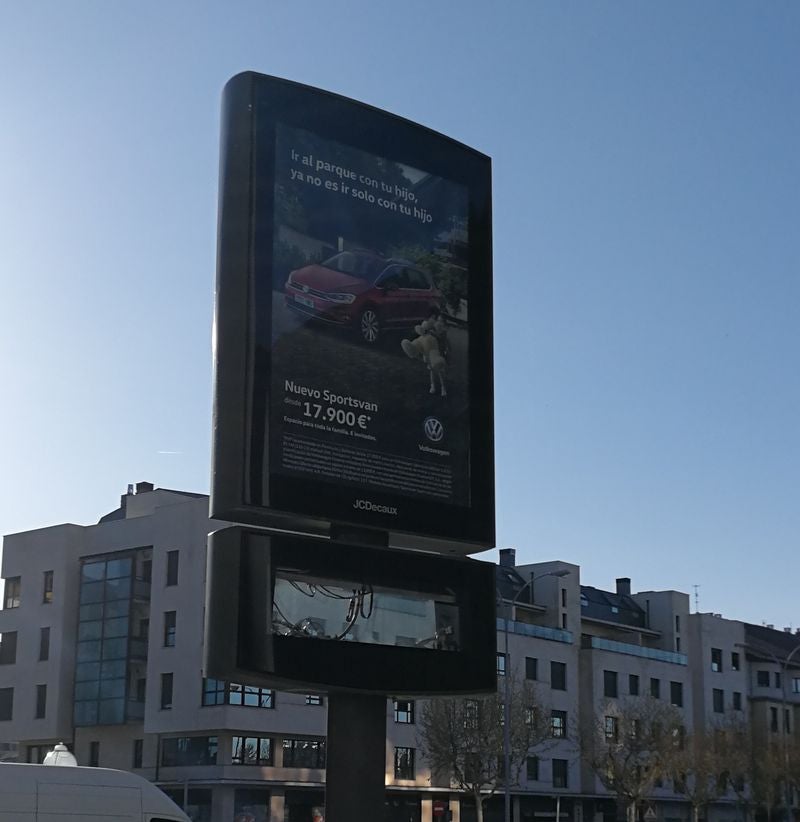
53	793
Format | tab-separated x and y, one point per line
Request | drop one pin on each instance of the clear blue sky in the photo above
647	258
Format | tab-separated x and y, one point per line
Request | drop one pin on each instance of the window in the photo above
303	753
677	644
734	661
404	711
531	667
777	680
773	720
404	763
501	664
564	621
472	713
677	623
532	768
655	688
563	597
47	587
6	704
138	748
214	692
44	644
189	750
796	685
610	684
558	724
633	684
166	691
560	773
8	647
250	696
170	624
718	700
41	701
676	693
313	699
251	750
716	659
737	701
611	728
94	754
762	679
172	567
12	592
558	676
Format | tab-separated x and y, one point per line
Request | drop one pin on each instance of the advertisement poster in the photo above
370	323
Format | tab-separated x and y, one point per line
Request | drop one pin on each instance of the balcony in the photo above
539	631
600	644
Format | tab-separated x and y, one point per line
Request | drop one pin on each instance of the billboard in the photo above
353	352
287	612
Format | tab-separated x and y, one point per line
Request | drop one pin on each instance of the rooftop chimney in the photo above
508	557
624	585
142	487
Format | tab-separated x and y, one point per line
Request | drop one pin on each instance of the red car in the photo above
363	291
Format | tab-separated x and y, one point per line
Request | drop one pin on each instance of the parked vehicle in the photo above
54	793
363	291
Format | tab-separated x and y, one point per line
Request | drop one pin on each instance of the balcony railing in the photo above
601	644
540	631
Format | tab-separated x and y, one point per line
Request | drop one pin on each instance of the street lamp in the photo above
784	666
562	572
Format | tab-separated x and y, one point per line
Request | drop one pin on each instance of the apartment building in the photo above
101	637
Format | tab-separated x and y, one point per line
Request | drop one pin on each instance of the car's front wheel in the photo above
369	326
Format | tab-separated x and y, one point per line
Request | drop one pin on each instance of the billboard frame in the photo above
241	491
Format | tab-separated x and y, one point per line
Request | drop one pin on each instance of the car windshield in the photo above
363	266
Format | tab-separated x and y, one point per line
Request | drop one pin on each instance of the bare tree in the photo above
707	764
463	739
767	777
631	745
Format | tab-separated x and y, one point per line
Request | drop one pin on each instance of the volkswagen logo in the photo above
434	430
305	289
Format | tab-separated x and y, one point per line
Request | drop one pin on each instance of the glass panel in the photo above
88	651
92	592
118	588
90	630
112	711
116	627
118	568
85	713
115	648
87	690
119	608
112	688
265	750
93	571
94	611
251	696
113	670
319	608
87	671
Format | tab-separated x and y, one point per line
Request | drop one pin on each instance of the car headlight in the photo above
341	298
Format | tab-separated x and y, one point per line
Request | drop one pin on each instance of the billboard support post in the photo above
355	758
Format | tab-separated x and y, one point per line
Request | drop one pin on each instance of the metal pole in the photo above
506	721
356	755
562	572
787	788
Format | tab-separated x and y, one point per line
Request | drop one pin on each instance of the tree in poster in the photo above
463	739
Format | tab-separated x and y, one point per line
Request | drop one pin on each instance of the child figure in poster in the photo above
430	346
